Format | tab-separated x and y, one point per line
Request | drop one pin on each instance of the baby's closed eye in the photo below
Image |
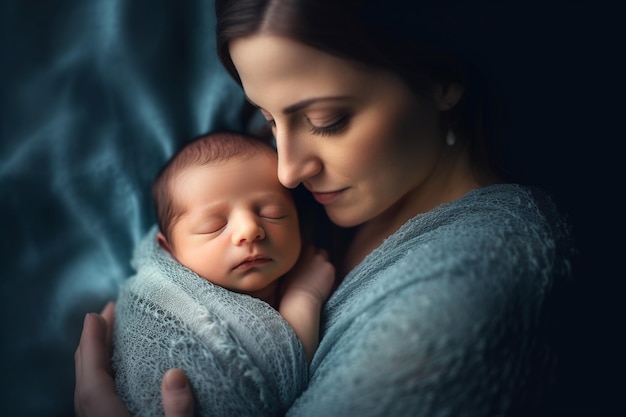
273	212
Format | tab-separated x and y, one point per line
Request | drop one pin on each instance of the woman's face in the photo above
356	137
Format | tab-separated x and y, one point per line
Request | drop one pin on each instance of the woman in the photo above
448	270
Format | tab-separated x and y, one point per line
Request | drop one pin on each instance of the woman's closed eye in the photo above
322	128
328	127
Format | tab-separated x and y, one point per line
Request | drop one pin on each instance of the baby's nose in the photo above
248	230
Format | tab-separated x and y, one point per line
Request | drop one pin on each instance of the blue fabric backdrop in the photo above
96	95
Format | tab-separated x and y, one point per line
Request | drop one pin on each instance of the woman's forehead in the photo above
273	68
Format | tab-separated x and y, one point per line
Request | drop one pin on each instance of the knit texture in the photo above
447	317
241	356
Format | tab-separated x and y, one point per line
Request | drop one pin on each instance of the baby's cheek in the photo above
290	242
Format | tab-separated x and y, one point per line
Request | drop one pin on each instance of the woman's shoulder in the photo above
503	222
500	210
501	232
506	201
503	225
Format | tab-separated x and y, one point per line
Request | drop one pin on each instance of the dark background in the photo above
565	96
105	90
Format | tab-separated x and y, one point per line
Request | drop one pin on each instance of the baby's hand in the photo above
312	276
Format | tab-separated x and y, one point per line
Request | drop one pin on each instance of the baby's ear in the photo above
162	241
448	96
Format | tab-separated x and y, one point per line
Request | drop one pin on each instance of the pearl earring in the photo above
450	138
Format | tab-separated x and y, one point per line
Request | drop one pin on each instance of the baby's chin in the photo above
256	281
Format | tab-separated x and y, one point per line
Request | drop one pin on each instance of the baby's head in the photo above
223	213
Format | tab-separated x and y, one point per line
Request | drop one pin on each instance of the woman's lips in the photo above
326	198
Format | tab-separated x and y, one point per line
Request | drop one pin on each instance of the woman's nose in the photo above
297	162
246	230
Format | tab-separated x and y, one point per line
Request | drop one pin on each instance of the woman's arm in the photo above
94	393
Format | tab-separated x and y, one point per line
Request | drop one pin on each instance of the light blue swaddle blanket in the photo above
241	356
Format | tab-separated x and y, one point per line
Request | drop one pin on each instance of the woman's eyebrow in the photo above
304	103
307	102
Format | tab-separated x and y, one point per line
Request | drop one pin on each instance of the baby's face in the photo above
239	228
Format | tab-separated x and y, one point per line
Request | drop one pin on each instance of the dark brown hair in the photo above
388	35
207	149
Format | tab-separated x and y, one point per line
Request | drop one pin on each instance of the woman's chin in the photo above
343	219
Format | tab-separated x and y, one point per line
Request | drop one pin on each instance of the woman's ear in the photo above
162	241
448	96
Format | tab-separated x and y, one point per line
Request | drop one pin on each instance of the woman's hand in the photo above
94	393
176	394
